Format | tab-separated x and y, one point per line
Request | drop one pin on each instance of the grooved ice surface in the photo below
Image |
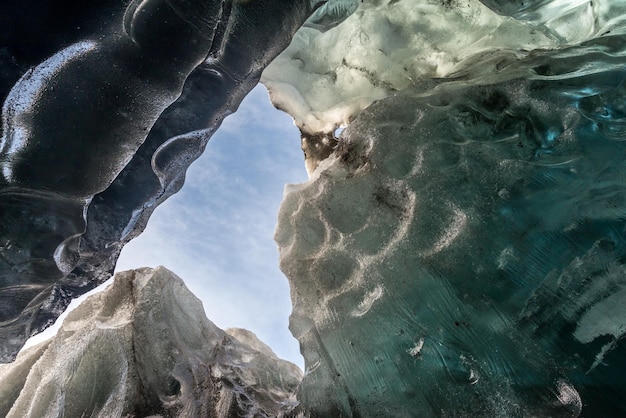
144	347
462	251
331	72
104	109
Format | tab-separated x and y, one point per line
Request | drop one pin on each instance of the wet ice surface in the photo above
144	347
327	76
458	251
461	252
88	151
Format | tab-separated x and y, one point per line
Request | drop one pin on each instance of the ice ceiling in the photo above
459	249
145	347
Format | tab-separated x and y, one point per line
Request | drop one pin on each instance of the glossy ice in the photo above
118	102
461	251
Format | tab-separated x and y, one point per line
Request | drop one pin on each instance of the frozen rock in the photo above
461	252
144	347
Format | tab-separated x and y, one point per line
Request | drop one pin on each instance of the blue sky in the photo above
217	232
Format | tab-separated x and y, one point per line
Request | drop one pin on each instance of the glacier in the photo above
459	249
468	261
69	204
143	347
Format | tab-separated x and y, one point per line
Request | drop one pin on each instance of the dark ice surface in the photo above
106	105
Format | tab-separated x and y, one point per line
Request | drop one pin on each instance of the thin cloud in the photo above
217	233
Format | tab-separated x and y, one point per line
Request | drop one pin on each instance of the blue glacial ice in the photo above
459	249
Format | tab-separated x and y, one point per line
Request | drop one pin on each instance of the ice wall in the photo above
104	109
144	347
461	250
329	73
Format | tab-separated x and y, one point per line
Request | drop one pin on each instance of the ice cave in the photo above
459	249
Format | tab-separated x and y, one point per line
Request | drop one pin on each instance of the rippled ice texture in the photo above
104	110
330	73
462	250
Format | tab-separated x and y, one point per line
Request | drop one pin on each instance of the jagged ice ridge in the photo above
144	347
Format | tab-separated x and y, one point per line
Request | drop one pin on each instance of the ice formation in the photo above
70	123
330	73
144	347
461	250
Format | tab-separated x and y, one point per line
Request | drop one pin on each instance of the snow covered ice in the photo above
460	247
144	347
